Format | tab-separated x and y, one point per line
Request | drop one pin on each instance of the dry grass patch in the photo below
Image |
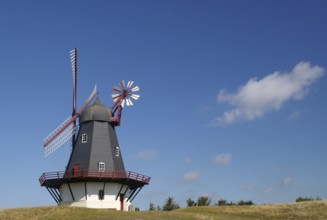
315	210
74	213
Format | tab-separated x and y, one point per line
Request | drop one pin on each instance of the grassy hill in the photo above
314	210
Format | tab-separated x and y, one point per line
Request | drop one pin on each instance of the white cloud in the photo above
154	193
269	189
187	161
222	159
203	108
294	115
259	96
191	176
287	181
248	187
146	154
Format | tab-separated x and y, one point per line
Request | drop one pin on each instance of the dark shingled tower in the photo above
96	141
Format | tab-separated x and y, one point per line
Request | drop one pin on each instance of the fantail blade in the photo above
135	89
129	102
122	103
116	89
129	84
134	96
122	84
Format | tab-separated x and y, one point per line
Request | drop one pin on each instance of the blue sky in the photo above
231	103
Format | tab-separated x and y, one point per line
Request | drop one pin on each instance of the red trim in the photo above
114	106
116	119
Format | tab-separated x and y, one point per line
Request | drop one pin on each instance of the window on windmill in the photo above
117	151
84	138
102	166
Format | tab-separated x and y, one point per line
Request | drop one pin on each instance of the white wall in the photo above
92	198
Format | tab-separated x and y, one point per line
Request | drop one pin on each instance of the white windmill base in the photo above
86	194
95	189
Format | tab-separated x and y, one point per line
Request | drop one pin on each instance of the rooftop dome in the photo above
96	112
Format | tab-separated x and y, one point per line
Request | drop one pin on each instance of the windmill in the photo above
95	176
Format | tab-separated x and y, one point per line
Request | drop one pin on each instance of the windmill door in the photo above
76	169
121	202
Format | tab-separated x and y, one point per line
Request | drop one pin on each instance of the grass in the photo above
313	210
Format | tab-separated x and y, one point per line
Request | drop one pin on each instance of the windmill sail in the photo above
73	60
65	130
61	138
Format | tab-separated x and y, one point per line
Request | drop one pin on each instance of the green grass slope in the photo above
316	210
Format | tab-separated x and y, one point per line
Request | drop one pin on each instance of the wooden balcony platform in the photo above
55	179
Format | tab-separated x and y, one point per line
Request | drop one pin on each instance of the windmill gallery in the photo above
95	175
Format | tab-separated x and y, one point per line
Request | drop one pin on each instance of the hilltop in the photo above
313	210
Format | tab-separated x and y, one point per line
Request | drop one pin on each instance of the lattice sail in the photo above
65	130
73	60
68	128
59	136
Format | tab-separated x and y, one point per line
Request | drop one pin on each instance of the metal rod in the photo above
56	200
58	194
130	196
120	191
126	190
71	192
136	193
85	191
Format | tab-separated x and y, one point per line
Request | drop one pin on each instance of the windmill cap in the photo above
96	112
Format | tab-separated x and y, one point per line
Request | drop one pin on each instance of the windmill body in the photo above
96	141
95	176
